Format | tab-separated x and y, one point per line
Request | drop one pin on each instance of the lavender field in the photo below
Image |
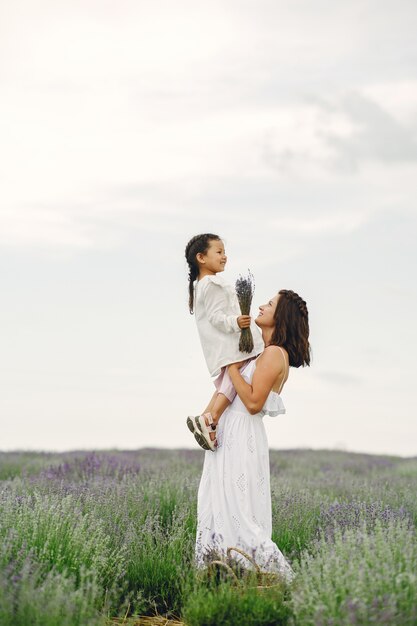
88	537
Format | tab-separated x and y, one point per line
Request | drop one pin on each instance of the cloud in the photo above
339	135
264	208
376	135
113	121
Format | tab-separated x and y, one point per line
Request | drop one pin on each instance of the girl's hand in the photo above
243	321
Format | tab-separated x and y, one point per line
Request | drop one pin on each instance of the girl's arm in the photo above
216	302
268	368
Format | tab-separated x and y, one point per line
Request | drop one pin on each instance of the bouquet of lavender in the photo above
245	288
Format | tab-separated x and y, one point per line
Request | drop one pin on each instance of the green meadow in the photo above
98	538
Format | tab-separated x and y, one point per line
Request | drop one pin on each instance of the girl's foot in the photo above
197	431
204	429
191	423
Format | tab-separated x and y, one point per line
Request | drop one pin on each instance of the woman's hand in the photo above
237	365
243	321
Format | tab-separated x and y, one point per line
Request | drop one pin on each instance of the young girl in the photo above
219	323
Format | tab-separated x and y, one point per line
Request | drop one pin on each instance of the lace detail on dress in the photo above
242	483
261	485
236	521
219	520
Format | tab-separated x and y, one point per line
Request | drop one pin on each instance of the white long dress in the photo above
234	496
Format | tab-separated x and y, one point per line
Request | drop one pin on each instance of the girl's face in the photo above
265	317
215	259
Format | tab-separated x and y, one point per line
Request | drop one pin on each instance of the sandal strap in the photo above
209	418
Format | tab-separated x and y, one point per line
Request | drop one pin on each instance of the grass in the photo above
228	605
365	576
88	536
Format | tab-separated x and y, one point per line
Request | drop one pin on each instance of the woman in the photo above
234	496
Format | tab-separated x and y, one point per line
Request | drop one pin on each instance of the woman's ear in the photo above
200	258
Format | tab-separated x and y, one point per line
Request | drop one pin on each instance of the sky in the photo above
289	129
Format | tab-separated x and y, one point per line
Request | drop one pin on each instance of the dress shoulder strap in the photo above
285	370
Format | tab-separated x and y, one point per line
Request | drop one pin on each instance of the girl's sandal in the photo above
201	441
191	423
202	432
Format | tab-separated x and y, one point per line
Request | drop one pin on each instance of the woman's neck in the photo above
267	335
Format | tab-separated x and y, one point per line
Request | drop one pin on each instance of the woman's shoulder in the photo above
273	354
273	347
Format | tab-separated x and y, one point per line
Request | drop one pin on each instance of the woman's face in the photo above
265	317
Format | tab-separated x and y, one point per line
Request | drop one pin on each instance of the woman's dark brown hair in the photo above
291	327
197	244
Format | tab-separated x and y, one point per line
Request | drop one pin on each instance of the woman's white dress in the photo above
234	496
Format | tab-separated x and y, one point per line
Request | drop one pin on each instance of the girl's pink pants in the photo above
223	382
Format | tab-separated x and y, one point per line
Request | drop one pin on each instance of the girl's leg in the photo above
212	408
221	399
219	406
225	395
216	407
211	403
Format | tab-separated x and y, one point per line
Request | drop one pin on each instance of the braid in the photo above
294	297
196	245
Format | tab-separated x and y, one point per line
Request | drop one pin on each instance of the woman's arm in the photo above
269	366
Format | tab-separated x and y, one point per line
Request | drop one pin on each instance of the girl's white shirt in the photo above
216	309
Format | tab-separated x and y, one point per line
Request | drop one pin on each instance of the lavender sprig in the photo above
245	288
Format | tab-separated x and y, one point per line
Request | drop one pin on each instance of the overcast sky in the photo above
290	129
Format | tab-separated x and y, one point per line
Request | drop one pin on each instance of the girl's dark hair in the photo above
197	244
291	327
